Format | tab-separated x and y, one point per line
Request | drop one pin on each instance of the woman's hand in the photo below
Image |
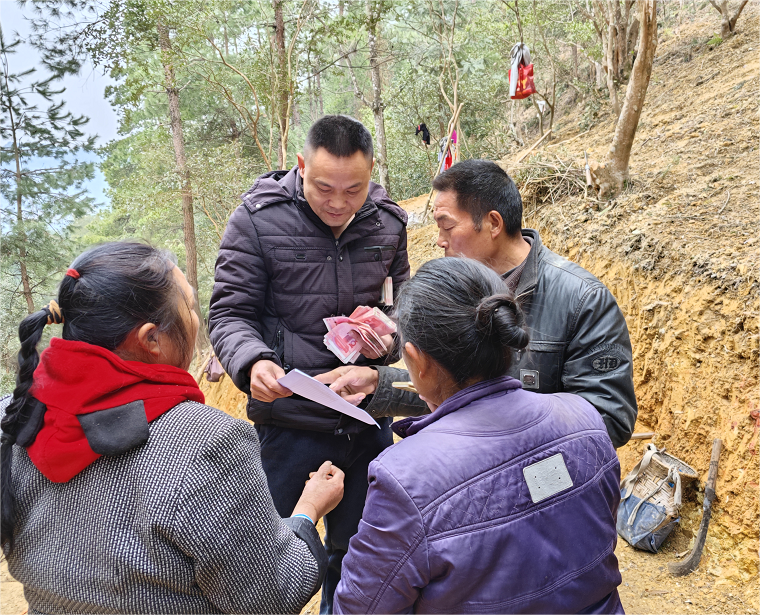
323	492
352	383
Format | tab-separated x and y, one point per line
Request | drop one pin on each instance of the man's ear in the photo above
301	163
495	223
372	166
147	339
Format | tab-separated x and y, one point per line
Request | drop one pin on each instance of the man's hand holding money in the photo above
366	331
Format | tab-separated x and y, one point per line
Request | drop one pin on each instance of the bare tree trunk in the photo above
281	95
22	246
178	140
616	167
610	53
599	70
20	213
514	124
226	38
628	33
539	115
22	253
311	97
631	38
574	50
620	39
373	18
320	100
728	24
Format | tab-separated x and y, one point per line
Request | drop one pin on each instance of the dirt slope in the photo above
680	253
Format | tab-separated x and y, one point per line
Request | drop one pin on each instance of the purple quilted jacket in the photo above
457	518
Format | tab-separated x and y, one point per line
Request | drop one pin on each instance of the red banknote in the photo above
348	336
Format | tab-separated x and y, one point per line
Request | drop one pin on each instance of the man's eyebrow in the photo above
443	216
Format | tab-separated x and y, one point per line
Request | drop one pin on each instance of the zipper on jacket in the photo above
279	349
379	248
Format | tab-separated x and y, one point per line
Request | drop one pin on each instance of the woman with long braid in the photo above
121	491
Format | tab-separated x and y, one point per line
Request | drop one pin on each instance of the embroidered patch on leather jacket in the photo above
606	358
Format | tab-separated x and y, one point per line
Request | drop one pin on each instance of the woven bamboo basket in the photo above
653	475
666	461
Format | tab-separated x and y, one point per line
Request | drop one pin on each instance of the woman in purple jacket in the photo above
501	500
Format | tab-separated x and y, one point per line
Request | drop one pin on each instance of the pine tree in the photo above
42	178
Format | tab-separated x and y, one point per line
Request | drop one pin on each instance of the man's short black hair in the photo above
341	136
482	186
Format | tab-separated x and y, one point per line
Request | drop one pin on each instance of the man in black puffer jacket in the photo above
579	340
306	244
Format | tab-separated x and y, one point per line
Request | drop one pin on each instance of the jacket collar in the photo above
413	424
529	276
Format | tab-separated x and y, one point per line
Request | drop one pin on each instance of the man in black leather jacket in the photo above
579	340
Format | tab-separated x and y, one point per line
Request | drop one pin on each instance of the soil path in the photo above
646	588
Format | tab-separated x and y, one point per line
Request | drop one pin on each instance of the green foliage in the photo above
41	193
714	41
225	63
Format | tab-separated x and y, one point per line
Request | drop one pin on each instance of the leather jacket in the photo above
579	343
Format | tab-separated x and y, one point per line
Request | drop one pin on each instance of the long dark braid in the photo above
16	416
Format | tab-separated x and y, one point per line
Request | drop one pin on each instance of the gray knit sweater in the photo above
182	524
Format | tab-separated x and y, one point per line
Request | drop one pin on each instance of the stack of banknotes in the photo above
348	336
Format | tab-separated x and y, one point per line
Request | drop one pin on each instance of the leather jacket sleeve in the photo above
598	363
399	273
388	401
240	286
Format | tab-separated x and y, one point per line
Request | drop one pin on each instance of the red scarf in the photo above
77	378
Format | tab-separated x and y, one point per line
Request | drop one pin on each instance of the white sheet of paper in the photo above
310	388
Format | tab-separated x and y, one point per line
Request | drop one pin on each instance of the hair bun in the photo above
498	316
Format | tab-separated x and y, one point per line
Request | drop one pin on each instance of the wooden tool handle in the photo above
643	436
712	474
692	560
404	386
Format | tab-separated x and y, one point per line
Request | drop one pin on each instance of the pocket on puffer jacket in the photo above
259	411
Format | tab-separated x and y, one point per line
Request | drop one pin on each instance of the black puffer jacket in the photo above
579	343
280	271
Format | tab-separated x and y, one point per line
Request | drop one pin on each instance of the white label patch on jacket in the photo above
529	379
547	477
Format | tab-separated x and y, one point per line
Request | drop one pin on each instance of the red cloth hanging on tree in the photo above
521	83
